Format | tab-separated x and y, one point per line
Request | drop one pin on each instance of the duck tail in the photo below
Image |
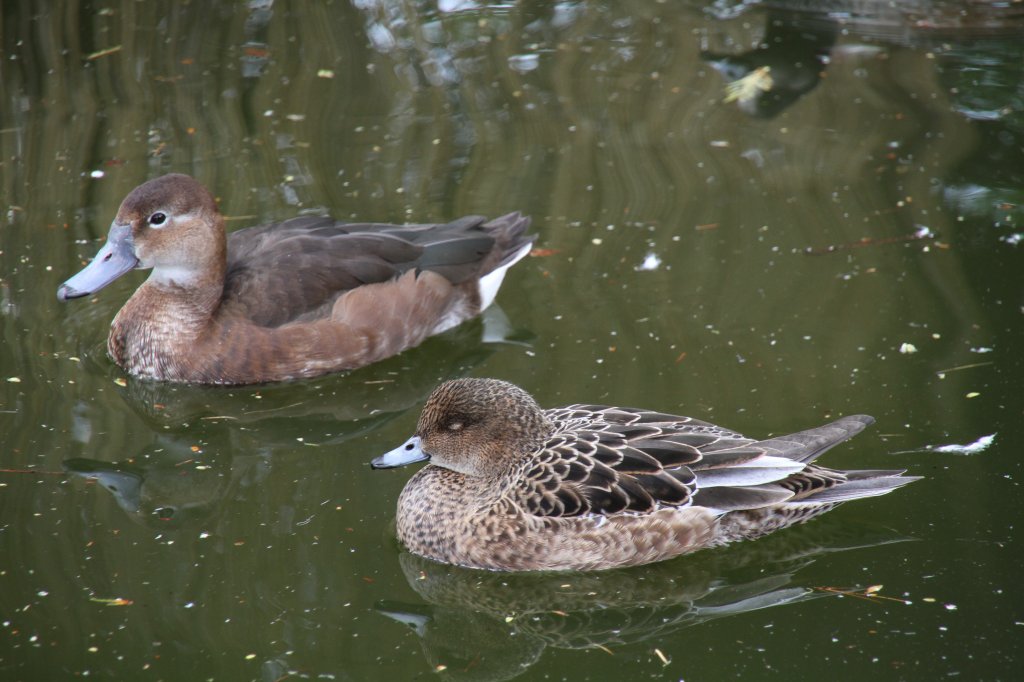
509	231
858	484
807	446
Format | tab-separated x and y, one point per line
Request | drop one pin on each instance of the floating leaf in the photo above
748	87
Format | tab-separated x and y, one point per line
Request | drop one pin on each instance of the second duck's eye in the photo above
157	219
454	426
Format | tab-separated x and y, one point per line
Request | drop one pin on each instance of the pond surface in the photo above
838	233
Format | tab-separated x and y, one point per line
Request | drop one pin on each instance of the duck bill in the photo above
408	452
115	258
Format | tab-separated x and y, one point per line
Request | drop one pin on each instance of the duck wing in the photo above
605	460
295	270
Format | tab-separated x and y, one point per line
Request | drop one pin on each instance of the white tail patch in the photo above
491	282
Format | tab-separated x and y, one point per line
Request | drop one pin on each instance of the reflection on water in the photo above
672	273
478	625
172	484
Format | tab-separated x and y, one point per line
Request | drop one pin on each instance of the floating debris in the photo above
103	53
750	86
942	372
651	262
870	593
974	448
115	601
908	348
920	234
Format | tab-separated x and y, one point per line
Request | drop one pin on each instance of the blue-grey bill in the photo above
406	453
115	258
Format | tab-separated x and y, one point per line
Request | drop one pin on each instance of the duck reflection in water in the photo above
169	486
478	625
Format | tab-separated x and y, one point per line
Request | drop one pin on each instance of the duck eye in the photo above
157	219
454	426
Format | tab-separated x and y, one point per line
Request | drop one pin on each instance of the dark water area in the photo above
762	215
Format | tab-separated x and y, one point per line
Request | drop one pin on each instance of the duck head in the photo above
477	427
170	224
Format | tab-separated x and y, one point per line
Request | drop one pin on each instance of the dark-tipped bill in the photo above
115	258
406	453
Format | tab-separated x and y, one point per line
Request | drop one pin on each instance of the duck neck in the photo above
191	292
172	308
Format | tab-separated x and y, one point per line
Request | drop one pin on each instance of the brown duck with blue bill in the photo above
513	487
282	301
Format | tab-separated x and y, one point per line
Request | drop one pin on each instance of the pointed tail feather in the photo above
860	484
806	446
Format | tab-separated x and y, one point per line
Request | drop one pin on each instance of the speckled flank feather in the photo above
295	299
513	487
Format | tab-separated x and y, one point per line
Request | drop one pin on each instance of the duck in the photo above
513	487
290	300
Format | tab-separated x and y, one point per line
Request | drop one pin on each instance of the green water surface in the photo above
844	239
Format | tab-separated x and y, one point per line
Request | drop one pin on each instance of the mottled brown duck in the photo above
513	487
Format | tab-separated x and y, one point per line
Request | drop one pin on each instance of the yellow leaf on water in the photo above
746	88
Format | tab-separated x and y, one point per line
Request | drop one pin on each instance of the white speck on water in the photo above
650	262
524	62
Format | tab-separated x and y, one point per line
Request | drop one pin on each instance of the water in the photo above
759	263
